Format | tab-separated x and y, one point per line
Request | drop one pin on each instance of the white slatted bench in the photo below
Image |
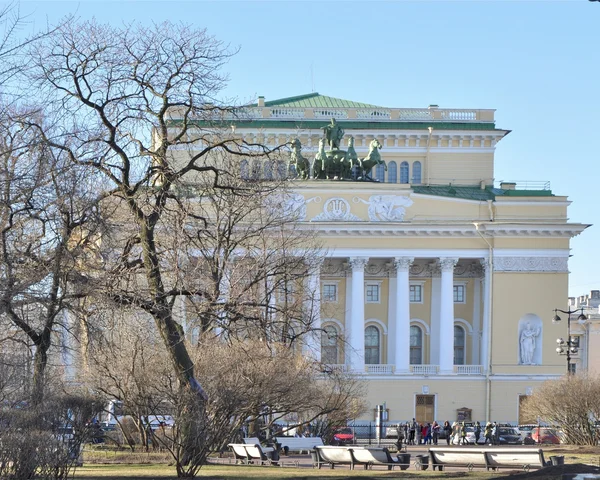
492	458
525	458
370	456
299	444
334	455
252	453
457	457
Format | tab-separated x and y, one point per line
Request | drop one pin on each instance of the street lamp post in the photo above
571	345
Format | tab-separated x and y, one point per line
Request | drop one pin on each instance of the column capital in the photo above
358	263
402	264
448	264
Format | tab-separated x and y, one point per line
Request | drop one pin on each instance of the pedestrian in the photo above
495	433
463	434
406	432
424	433
477	432
488	433
413	431
435	432
448	431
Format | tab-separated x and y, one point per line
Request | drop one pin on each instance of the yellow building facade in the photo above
438	287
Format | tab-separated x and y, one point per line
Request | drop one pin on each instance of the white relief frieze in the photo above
386	208
337	210
531	264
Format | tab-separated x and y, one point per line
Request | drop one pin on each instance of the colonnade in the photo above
399	318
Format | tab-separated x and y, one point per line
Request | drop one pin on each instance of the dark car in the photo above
343	435
508	436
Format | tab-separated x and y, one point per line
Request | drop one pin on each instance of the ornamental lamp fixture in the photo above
571	345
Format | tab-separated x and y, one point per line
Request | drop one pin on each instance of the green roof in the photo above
314	100
477	193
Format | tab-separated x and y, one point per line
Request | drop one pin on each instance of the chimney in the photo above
508	185
261	101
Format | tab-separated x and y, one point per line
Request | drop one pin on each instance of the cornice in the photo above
406	229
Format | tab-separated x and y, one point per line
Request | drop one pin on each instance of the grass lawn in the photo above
222	472
146	467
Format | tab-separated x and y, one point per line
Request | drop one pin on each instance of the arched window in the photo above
329	345
256	169
380	173
244	170
404	172
416	173
268	170
459	345
371	345
392	172
416	345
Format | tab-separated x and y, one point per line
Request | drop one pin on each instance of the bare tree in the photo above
571	403
42	209
138	105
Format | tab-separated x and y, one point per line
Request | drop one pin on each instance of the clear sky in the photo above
536	63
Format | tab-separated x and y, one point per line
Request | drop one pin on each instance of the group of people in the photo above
455	433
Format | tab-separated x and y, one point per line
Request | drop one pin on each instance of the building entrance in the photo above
425	408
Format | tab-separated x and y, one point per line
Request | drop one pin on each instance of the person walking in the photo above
477	432
447	431
463	434
488	433
413	432
435	432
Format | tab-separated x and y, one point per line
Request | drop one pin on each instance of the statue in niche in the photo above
527	341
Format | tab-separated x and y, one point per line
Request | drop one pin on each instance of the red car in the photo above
545	435
343	435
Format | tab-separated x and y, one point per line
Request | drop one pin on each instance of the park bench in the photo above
489	458
253	452
298	444
370	456
525	458
457	457
334	455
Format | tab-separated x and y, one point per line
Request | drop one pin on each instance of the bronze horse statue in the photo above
372	159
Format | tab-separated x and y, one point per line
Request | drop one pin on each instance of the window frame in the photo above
455	288
372	283
415	284
335	285
335	344
462	347
415	347
372	347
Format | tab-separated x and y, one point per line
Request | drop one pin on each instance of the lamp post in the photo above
571	345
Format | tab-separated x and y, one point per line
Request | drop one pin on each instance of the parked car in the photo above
508	436
391	432
343	435
545	435
471	436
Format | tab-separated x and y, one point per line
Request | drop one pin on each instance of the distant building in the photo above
587	333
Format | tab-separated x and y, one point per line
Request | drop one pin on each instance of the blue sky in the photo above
536	63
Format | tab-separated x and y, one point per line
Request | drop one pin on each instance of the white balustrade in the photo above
468	369
330	113
463	115
287	113
379	369
424	369
336	367
373	114
414	114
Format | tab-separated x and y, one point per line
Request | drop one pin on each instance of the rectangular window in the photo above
372	293
416	294
459	294
329	292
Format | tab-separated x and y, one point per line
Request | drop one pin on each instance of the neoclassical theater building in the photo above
440	282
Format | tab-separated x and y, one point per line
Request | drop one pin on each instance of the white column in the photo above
447	315
475	338
435	308
402	358
485	331
313	313
357	332
391	335
348	318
